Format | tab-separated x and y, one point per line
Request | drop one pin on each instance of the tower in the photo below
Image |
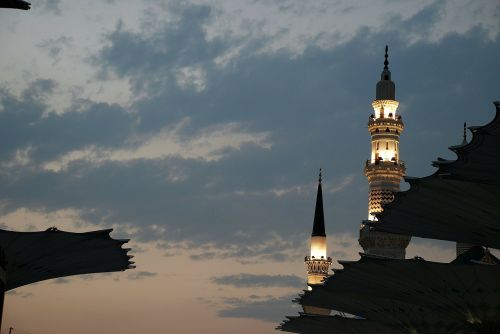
317	262
384	170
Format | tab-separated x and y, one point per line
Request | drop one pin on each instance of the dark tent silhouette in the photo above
15	4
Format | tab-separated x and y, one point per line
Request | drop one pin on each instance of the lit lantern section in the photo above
318	247
385	127
384	170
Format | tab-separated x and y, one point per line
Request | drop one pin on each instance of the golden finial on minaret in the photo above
385	169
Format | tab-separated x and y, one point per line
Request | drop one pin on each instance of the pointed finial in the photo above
386	62
319	216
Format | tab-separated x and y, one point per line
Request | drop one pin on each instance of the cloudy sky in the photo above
197	128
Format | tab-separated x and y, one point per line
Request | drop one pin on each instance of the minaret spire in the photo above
319	216
386	62
386	89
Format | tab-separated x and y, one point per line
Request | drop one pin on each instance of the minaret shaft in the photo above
385	169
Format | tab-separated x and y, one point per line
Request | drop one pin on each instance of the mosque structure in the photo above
385	293
385	170
416	296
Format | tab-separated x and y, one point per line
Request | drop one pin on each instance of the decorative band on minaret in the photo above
385	169
317	262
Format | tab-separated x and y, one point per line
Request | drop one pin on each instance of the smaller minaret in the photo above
317	262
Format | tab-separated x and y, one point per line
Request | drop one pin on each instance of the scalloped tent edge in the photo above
384	295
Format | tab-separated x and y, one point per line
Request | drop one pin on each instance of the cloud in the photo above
61	280
211	144
179	46
225	157
296	26
141	275
54	47
246	280
203	256
19	294
49	6
29	126
272	248
345	182
89	277
191	77
271	309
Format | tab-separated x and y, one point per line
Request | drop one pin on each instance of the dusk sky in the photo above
197	129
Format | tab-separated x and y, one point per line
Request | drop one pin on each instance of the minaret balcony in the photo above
383	123
387	170
385	163
312	258
317	266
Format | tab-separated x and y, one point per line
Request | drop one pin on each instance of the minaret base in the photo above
383	244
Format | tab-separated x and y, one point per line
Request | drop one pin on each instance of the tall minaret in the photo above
384	170
317	262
